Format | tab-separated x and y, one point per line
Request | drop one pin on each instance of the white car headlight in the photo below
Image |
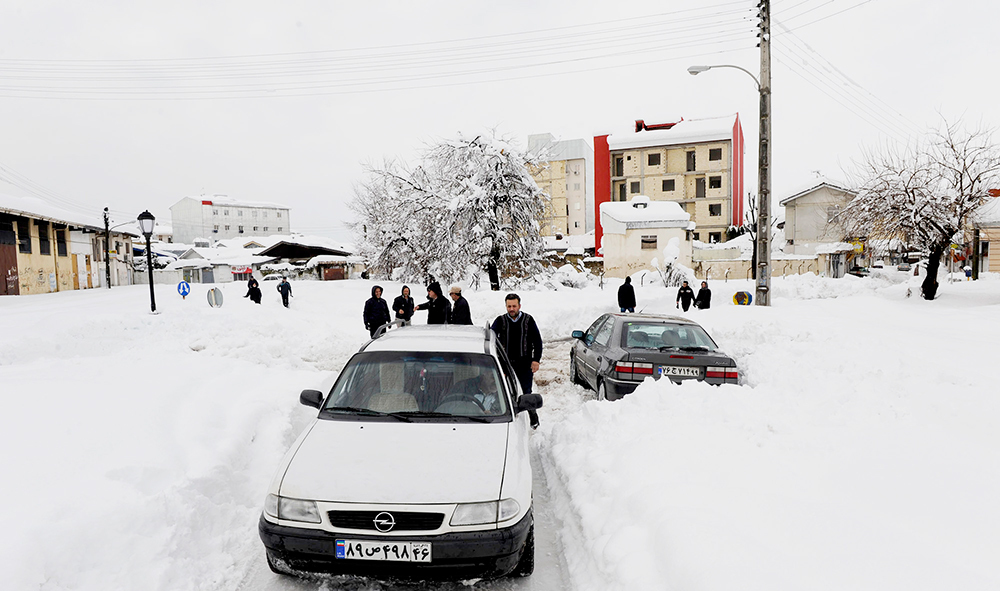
482	513
292	509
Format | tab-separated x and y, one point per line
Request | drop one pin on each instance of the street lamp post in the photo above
146	223
763	246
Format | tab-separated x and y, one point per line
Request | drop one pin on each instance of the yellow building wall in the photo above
552	180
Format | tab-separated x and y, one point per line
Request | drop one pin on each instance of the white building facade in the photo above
564	179
640	230
218	217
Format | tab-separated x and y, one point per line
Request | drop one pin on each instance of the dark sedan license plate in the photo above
682	372
394	551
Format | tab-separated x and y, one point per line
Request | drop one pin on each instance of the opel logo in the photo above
384	521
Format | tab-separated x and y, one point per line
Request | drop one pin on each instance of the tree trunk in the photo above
494	273
929	287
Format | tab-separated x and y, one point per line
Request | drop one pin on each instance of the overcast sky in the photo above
138	104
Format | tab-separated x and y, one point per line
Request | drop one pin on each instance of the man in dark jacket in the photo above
438	308
626	296
518	334
376	311
684	296
703	301
403	305
460	311
285	289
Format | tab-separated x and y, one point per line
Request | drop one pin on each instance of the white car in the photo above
416	465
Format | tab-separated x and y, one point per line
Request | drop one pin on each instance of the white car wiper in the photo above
355	410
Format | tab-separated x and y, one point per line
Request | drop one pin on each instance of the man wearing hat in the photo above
460	312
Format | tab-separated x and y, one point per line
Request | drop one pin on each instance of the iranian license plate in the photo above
394	551
685	372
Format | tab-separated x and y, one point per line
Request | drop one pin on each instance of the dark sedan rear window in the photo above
638	335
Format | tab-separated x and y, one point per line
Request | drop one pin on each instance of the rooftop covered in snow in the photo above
684	131
642	212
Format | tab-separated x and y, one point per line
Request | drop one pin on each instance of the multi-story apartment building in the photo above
564	179
697	163
218	217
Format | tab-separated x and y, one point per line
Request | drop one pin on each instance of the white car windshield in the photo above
640	335
419	385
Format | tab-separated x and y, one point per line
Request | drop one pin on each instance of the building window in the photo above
715	154
633	187
576	224
265	228
255	228
225	212
265	214
215	229
576	186
227	227
43	237
23	236
279	214
715	209
619	167
629	158
691	163
649	242
653	159
241	229
714	237
215	212
239	213
697	236
715	182
61	242
668	185
279	228
699	187
621	192
832	213
254	213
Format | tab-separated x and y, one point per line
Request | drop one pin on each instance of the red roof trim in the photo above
203	202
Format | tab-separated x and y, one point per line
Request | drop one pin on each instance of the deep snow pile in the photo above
860	454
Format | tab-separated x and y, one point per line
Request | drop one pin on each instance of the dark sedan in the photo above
619	351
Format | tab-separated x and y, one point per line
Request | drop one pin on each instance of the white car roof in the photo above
438	337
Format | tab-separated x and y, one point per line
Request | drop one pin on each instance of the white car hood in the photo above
401	463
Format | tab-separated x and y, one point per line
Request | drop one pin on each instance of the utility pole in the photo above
107	248
763	295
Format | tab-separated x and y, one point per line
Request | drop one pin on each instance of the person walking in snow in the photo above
376	311
403	305
460	312
626	296
438	308
685	295
703	301
253	290
518	334
285	289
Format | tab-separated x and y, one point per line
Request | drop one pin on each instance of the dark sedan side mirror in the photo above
529	402
313	398
578	334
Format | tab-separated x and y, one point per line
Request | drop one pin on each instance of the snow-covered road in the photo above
860	454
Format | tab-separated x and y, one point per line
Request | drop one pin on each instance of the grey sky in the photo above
906	60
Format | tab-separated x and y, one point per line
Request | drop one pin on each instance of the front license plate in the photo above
394	551
686	372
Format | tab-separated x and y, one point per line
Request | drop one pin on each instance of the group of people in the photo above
516	331
439	309
685	296
254	293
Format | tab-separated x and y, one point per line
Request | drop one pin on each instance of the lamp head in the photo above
146	223
695	70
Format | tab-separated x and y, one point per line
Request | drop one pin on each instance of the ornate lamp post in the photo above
146	224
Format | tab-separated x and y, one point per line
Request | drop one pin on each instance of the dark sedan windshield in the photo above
643	335
423	386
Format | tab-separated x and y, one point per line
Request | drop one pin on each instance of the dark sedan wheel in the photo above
574	375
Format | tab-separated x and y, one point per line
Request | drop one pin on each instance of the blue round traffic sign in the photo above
183	288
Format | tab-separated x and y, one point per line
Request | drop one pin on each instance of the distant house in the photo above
298	250
812	217
212	265
638	231
987	222
334	267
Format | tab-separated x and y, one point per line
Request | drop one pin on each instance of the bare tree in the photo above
924	193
